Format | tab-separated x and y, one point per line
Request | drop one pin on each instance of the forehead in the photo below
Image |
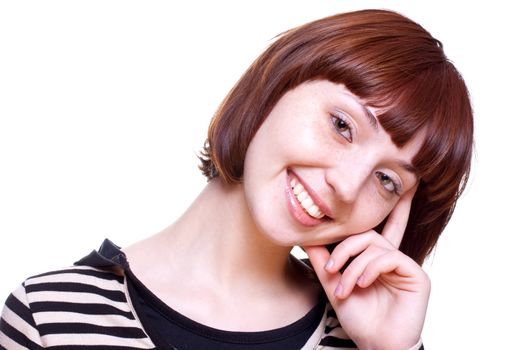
378	116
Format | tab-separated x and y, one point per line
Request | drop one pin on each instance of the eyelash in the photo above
348	127
381	176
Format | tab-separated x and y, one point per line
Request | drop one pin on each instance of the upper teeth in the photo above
304	198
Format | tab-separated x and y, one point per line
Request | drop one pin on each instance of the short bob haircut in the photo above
388	61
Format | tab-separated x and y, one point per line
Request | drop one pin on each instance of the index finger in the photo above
397	221
318	256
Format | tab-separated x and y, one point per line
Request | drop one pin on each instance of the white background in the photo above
105	104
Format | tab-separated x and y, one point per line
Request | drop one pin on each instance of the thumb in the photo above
318	256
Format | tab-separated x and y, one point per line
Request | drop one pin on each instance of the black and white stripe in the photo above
89	308
73	308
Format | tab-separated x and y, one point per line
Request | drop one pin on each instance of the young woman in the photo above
351	137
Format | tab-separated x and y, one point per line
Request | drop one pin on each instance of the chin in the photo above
293	238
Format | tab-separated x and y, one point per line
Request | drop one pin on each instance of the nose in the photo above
348	178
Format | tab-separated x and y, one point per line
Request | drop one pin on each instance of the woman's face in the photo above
321	167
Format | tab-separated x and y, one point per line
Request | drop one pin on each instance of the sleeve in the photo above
17	326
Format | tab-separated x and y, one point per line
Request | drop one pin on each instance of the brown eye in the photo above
387	182
342	127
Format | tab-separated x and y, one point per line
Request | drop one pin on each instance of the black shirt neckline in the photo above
153	312
310	321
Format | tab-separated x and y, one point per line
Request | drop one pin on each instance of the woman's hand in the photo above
381	298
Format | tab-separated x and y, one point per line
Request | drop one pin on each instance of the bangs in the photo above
430	104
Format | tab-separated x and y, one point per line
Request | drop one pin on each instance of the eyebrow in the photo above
409	167
372	120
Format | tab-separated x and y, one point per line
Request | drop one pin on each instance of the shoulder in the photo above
78	286
76	277
32	312
75	306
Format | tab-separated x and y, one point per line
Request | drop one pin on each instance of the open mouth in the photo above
304	198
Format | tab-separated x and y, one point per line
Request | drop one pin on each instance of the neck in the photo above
217	241
216	254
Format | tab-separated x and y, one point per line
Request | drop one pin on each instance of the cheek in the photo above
368	213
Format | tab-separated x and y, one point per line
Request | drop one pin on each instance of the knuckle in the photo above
377	249
348	245
343	246
397	254
351	273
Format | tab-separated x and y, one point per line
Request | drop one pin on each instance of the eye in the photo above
342	127
388	183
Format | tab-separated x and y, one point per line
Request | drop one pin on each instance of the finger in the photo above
403	271
356	268
352	246
318	256
398	219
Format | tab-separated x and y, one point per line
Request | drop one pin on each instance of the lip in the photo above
315	197
295	207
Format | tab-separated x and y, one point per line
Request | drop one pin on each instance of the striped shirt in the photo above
88	306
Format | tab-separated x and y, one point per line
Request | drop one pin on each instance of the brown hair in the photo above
390	62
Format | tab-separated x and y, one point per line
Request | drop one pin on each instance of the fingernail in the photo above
329	264
339	290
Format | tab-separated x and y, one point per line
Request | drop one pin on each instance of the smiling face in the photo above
321	167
